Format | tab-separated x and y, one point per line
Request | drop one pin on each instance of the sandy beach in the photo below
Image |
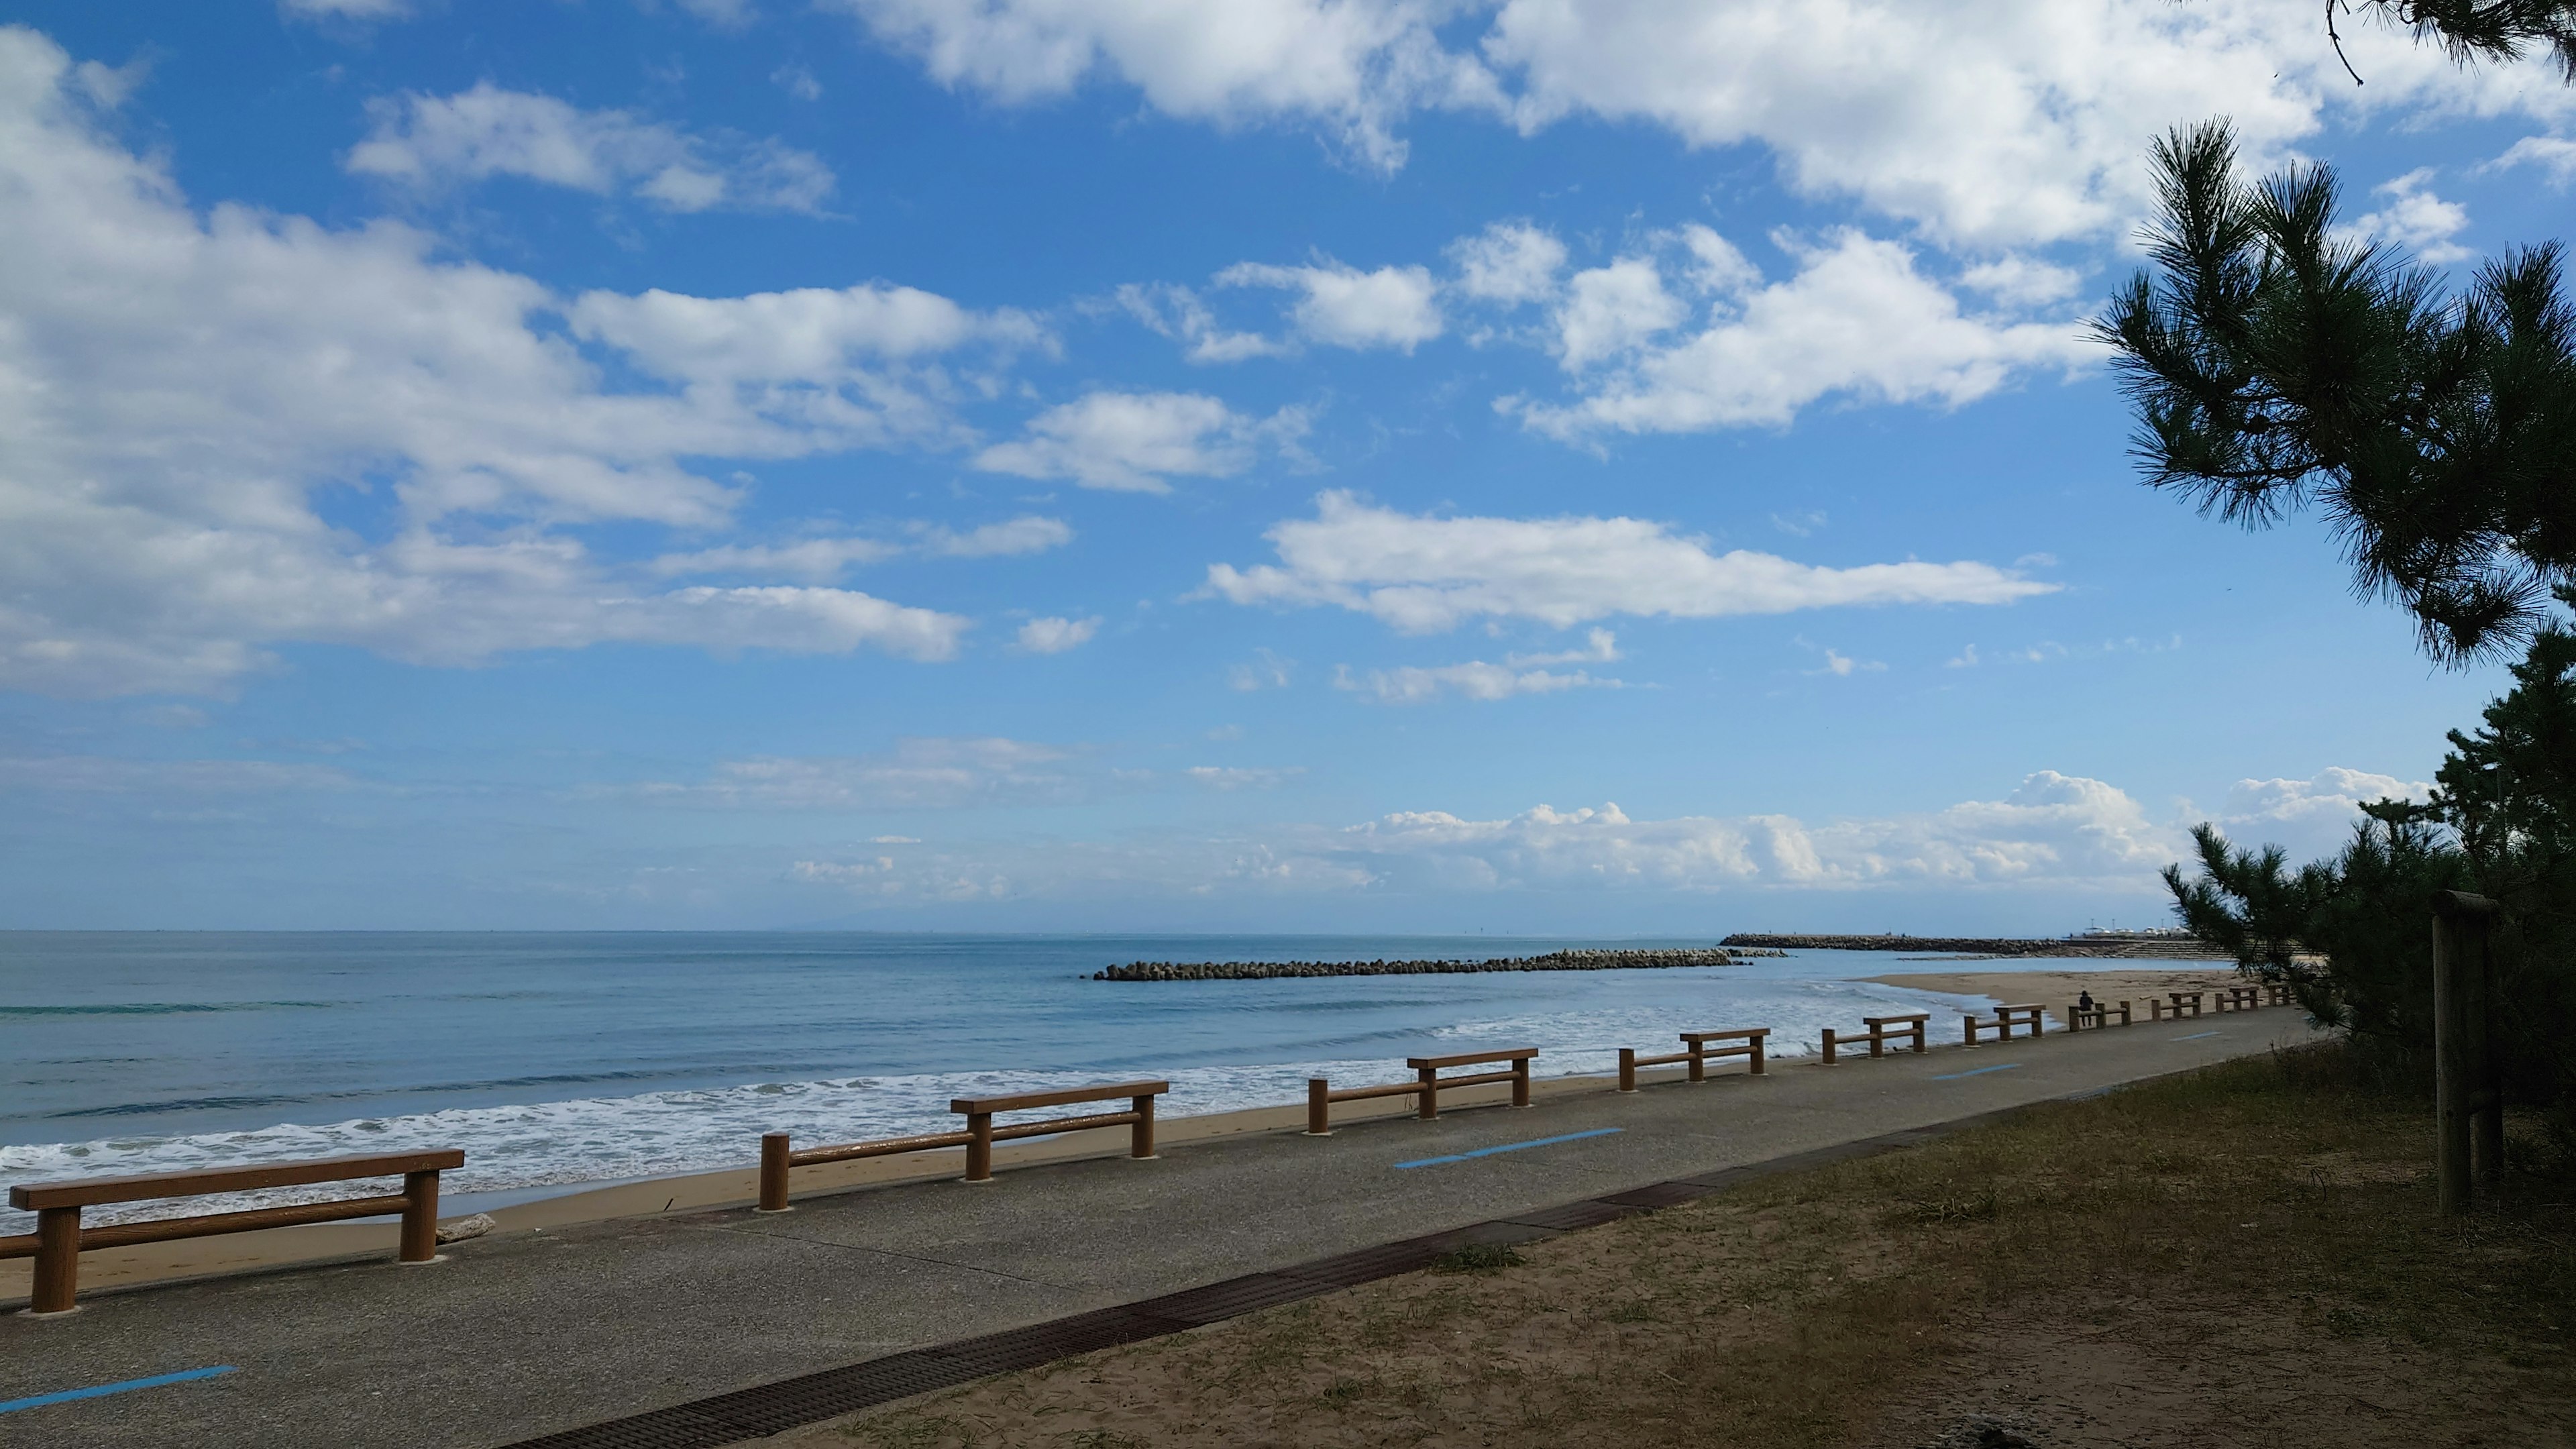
2057	989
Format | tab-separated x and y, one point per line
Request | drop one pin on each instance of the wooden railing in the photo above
1881	1029
2006	1018
1697	1051
1426	1087
777	1156
59	1238
2184	1003
2240	998
2096	1016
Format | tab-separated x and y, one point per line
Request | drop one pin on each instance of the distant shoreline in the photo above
1573	960
2103	947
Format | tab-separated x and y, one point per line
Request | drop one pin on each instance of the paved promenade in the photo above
526	1334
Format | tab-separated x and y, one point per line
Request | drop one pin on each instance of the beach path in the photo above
523	1334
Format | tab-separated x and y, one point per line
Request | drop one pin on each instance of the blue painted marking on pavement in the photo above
67	1395
1979	1072
2198	1035
1510	1147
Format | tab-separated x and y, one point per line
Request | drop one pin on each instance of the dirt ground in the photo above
2246	1256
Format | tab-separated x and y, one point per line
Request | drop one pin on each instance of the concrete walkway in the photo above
523	1335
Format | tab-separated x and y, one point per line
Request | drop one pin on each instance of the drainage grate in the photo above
1231	1298
1591	1213
1658	1195
1041	1343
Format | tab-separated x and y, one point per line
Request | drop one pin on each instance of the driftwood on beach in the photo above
2094	947
1585	960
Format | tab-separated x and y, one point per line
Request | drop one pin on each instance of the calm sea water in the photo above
561	1058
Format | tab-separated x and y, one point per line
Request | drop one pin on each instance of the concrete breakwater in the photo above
1587	960
2102	947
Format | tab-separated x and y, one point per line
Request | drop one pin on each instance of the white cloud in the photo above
1965	659
2554	155
918	774
176	387
1134	441
104	775
2335	794
1799	525
1843	666
1509	263
1343	306
1178	313
810	335
1600	646
1856	321
1351	66
1226	777
346	9
826	558
821	559
442	141
2416	219
798	82
2019	281
1055	636
1423	574
1028	533
1475	679
1999	123
1267	671
1609	311
2053	829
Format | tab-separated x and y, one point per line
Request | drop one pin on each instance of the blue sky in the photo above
1017	464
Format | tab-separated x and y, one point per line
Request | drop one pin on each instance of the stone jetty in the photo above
1587	960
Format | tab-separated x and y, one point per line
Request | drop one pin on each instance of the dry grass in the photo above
2244	1255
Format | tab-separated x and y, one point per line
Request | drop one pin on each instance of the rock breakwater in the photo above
1585	960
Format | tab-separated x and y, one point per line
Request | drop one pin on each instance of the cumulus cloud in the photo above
1182	315
1997	124
1858	321
474	135
1055	636
2416	219
1350	66
1340	306
177	387
1509	262
1135	441
1422	574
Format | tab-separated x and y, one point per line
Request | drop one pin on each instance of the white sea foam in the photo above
661	1134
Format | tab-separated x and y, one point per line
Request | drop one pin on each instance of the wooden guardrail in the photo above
1697	1051
2239	998
777	1156
2028	1014
1881	1029
2096	1016
1426	1086
59	1238
2183	1003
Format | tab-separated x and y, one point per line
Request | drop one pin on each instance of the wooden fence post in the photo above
2467	1109
1140	1139
1627	1069
979	1147
1427	1101
773	1172
419	1218
57	1283
1319	1107
1521	1082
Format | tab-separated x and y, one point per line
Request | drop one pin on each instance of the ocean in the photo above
566	1058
